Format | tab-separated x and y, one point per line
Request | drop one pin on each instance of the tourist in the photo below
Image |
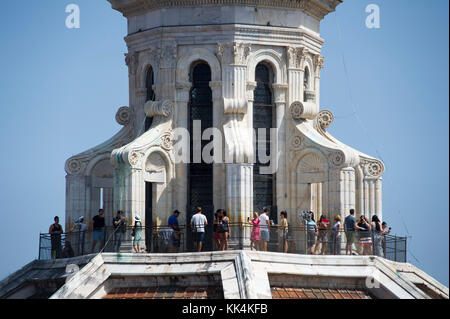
386	231
198	224
365	239
322	237
137	234
335	238
377	233
227	227
119	223
68	252
98	230
311	232
255	237
80	228
176	234
265	229
283	231
349	228
216	236
55	232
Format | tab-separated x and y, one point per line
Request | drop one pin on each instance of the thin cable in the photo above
349	91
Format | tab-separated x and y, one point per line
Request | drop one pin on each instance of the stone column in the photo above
318	61
280	148
181	169
341	195
219	173
129	196
239	200
77	199
238	141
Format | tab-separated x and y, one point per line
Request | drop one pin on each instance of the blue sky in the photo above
60	90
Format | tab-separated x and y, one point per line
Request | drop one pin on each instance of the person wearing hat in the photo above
176	236
137	234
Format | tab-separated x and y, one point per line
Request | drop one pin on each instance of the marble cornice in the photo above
315	8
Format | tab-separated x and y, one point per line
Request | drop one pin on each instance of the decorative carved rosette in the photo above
324	119
123	115
373	168
74	166
167	141
297	142
134	158
337	159
297	110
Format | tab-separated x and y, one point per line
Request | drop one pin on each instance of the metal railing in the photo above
163	239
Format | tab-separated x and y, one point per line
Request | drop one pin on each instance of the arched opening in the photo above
263	117
149	83
200	190
306	84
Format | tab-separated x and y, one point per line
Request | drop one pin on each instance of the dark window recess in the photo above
150	95
263	110
148	215
200	191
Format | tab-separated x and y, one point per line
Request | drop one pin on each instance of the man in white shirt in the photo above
198	224
265	228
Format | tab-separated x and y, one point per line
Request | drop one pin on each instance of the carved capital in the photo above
233	53
296	57
279	91
318	63
132	61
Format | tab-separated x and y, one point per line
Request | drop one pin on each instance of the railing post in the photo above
40	239
395	248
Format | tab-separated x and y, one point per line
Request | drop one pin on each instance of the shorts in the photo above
199	237
265	235
98	235
365	241
311	238
137	241
322	237
350	236
176	239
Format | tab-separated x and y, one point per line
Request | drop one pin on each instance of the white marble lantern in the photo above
236	65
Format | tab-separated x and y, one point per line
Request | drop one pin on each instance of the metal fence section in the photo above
295	240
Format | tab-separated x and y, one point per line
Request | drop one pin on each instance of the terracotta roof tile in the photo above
308	293
166	293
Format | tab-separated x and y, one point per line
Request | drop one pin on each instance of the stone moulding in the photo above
160	134
303	110
315	8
